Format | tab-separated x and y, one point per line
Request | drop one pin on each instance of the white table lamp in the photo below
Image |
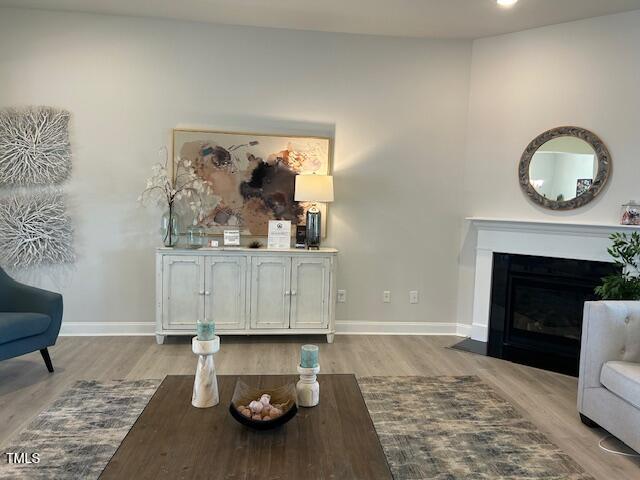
314	188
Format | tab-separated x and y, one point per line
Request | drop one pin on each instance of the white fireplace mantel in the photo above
580	241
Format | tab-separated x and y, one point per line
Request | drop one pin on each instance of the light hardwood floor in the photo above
545	398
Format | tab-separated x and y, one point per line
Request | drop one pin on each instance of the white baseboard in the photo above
464	330
79	329
399	328
91	329
480	332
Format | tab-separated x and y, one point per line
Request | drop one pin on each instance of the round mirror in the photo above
564	168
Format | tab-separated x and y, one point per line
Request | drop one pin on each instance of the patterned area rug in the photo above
80	432
459	428
439	428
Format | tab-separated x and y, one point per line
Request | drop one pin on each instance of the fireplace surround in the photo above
489	237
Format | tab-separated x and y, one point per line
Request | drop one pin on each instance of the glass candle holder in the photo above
195	236
205	330
309	356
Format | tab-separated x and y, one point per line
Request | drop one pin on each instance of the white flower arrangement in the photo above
184	186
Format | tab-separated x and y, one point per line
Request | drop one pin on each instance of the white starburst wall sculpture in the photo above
35	230
34	146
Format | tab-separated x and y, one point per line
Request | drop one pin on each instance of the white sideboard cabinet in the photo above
246	291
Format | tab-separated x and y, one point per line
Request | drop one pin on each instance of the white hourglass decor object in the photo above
308	388
205	387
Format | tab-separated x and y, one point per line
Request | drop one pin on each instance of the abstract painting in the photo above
34	146
252	175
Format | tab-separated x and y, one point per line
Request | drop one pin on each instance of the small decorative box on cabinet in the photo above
246	291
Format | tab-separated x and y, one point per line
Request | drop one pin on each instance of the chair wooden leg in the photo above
47	359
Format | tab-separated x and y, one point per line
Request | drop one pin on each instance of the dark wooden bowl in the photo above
284	395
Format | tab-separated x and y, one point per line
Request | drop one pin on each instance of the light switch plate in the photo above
386	296
342	296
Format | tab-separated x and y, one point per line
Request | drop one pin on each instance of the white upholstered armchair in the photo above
609	383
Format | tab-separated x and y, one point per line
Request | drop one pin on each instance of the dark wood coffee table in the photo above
173	440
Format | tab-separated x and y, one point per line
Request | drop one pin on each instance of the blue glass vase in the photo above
205	330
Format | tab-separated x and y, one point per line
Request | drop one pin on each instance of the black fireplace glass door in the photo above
546	311
536	308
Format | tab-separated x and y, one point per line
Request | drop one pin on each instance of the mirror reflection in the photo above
563	168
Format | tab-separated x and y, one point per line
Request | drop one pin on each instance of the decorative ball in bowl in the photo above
263	408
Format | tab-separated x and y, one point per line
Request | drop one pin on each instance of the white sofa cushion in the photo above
611	331
623	379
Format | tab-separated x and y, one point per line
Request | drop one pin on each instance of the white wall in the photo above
406	171
582	73
397	108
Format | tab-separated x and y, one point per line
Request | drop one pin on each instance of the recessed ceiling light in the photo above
507	3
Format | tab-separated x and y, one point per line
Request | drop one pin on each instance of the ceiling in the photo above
462	19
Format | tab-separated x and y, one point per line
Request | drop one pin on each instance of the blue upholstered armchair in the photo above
30	319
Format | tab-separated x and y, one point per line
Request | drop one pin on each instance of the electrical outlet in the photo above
342	296
386	296
413	296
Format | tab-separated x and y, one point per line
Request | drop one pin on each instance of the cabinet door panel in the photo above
310	292
225	286
270	292
182	290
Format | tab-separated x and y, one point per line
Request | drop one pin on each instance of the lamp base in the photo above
313	228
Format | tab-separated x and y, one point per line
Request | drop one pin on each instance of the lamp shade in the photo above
314	188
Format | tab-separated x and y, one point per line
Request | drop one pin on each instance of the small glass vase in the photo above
205	330
195	236
170	228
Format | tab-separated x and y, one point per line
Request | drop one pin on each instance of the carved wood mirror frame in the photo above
603	159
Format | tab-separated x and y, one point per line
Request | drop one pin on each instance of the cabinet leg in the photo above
160	339
330	337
